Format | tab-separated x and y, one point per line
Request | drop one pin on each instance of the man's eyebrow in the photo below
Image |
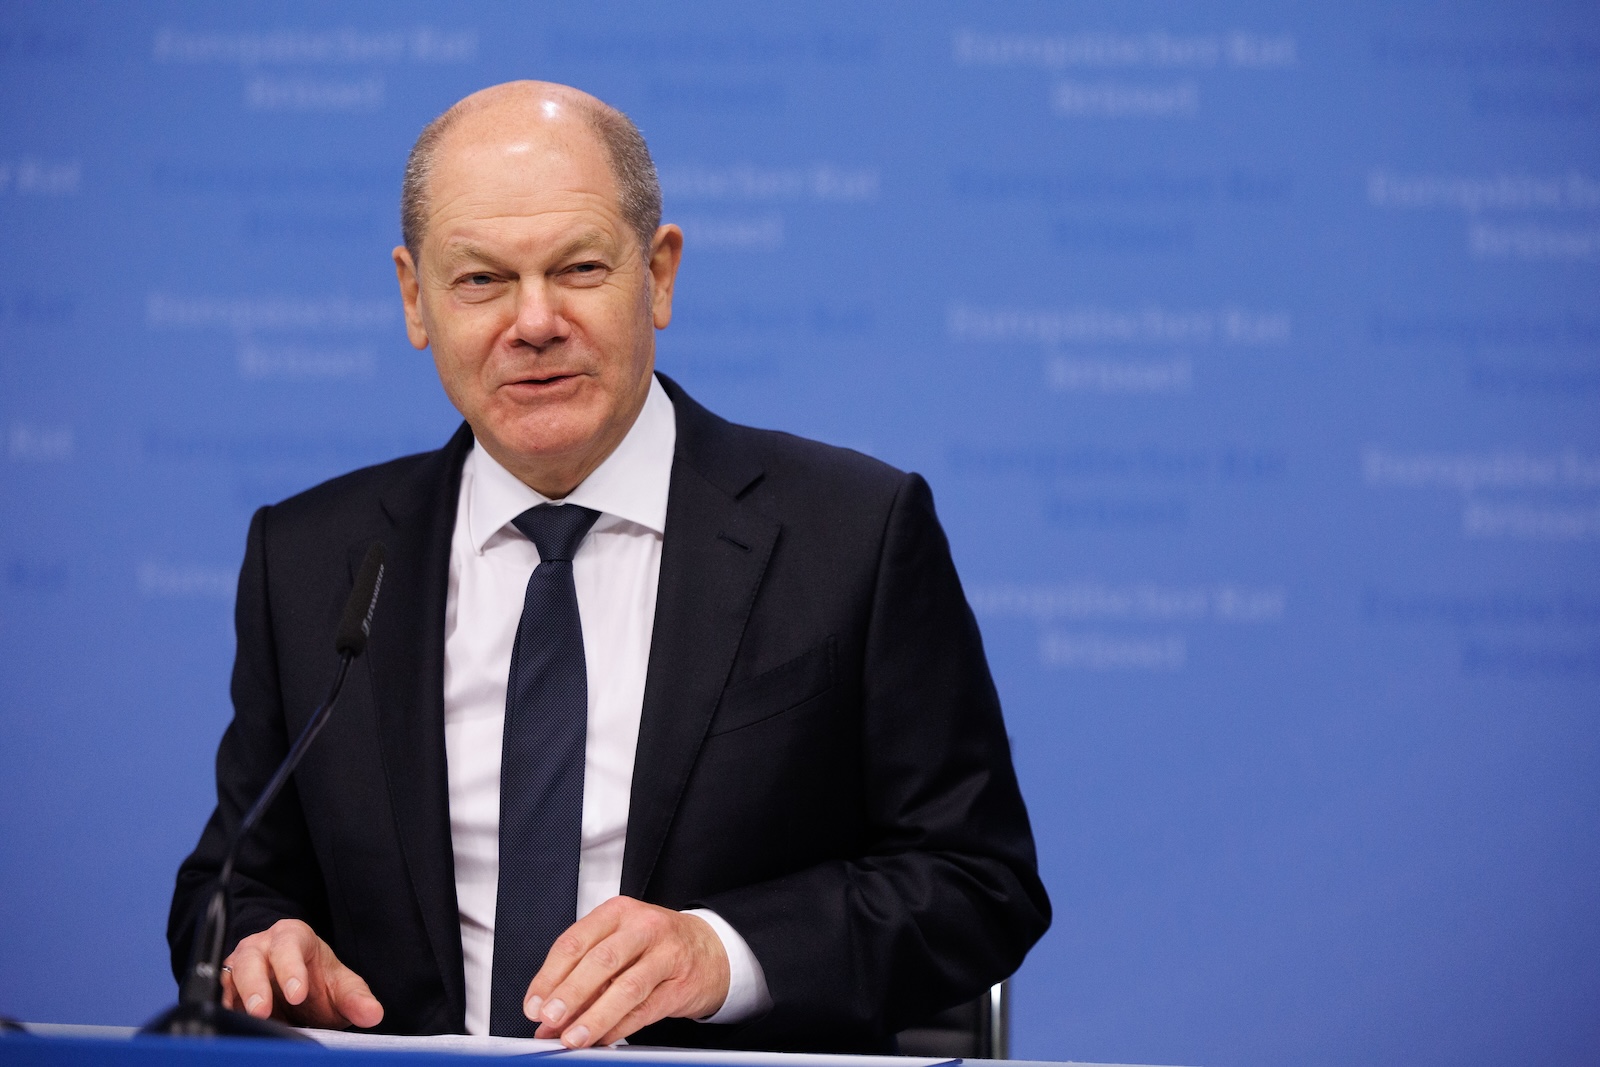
460	251
584	242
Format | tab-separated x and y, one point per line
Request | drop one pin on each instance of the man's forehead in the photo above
523	173
533	165
555	201
534	158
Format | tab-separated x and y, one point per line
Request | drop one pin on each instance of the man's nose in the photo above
539	318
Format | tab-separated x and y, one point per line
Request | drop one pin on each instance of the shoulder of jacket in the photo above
355	491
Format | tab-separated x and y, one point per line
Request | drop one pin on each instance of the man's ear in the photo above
405	271
666	250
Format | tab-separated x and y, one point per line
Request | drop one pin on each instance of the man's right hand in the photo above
290	973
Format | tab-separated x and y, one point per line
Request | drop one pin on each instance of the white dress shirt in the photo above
615	570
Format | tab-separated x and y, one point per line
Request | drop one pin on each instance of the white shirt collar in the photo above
630	485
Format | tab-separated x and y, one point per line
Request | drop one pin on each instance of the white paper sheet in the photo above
471	1044
616	1056
623	1055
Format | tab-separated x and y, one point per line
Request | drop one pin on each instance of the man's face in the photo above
535	295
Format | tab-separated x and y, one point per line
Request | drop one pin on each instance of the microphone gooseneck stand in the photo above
199	1011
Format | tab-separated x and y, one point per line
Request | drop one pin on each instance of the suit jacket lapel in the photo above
406	661
713	555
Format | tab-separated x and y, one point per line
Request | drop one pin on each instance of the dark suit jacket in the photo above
821	756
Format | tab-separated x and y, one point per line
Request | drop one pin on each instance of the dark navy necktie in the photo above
541	767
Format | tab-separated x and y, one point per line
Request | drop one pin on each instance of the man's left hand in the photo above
623	966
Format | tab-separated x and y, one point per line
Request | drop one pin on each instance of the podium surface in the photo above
63	1045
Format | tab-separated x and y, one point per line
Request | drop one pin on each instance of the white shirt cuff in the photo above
747	984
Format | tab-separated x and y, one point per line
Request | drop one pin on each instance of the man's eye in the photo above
480	279
585	268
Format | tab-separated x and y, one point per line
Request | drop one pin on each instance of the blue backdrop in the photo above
1252	351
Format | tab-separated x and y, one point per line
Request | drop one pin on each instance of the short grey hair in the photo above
638	187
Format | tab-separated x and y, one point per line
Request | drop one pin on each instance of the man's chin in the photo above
547	457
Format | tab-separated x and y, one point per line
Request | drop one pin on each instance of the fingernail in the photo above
250	1005
554	1010
577	1037
292	986
531	1006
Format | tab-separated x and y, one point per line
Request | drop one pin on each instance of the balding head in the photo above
556	111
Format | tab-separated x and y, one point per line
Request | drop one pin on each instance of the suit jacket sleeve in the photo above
277	875
943	898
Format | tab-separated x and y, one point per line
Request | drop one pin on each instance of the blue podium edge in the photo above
44	1050
117	1047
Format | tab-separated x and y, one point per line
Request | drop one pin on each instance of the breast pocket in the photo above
771	693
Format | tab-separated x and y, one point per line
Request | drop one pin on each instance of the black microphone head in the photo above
357	621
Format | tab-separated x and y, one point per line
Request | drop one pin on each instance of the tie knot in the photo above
556	530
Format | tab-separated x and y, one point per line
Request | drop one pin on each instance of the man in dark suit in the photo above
750	658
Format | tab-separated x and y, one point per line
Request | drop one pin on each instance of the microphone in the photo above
199	1011
356	625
